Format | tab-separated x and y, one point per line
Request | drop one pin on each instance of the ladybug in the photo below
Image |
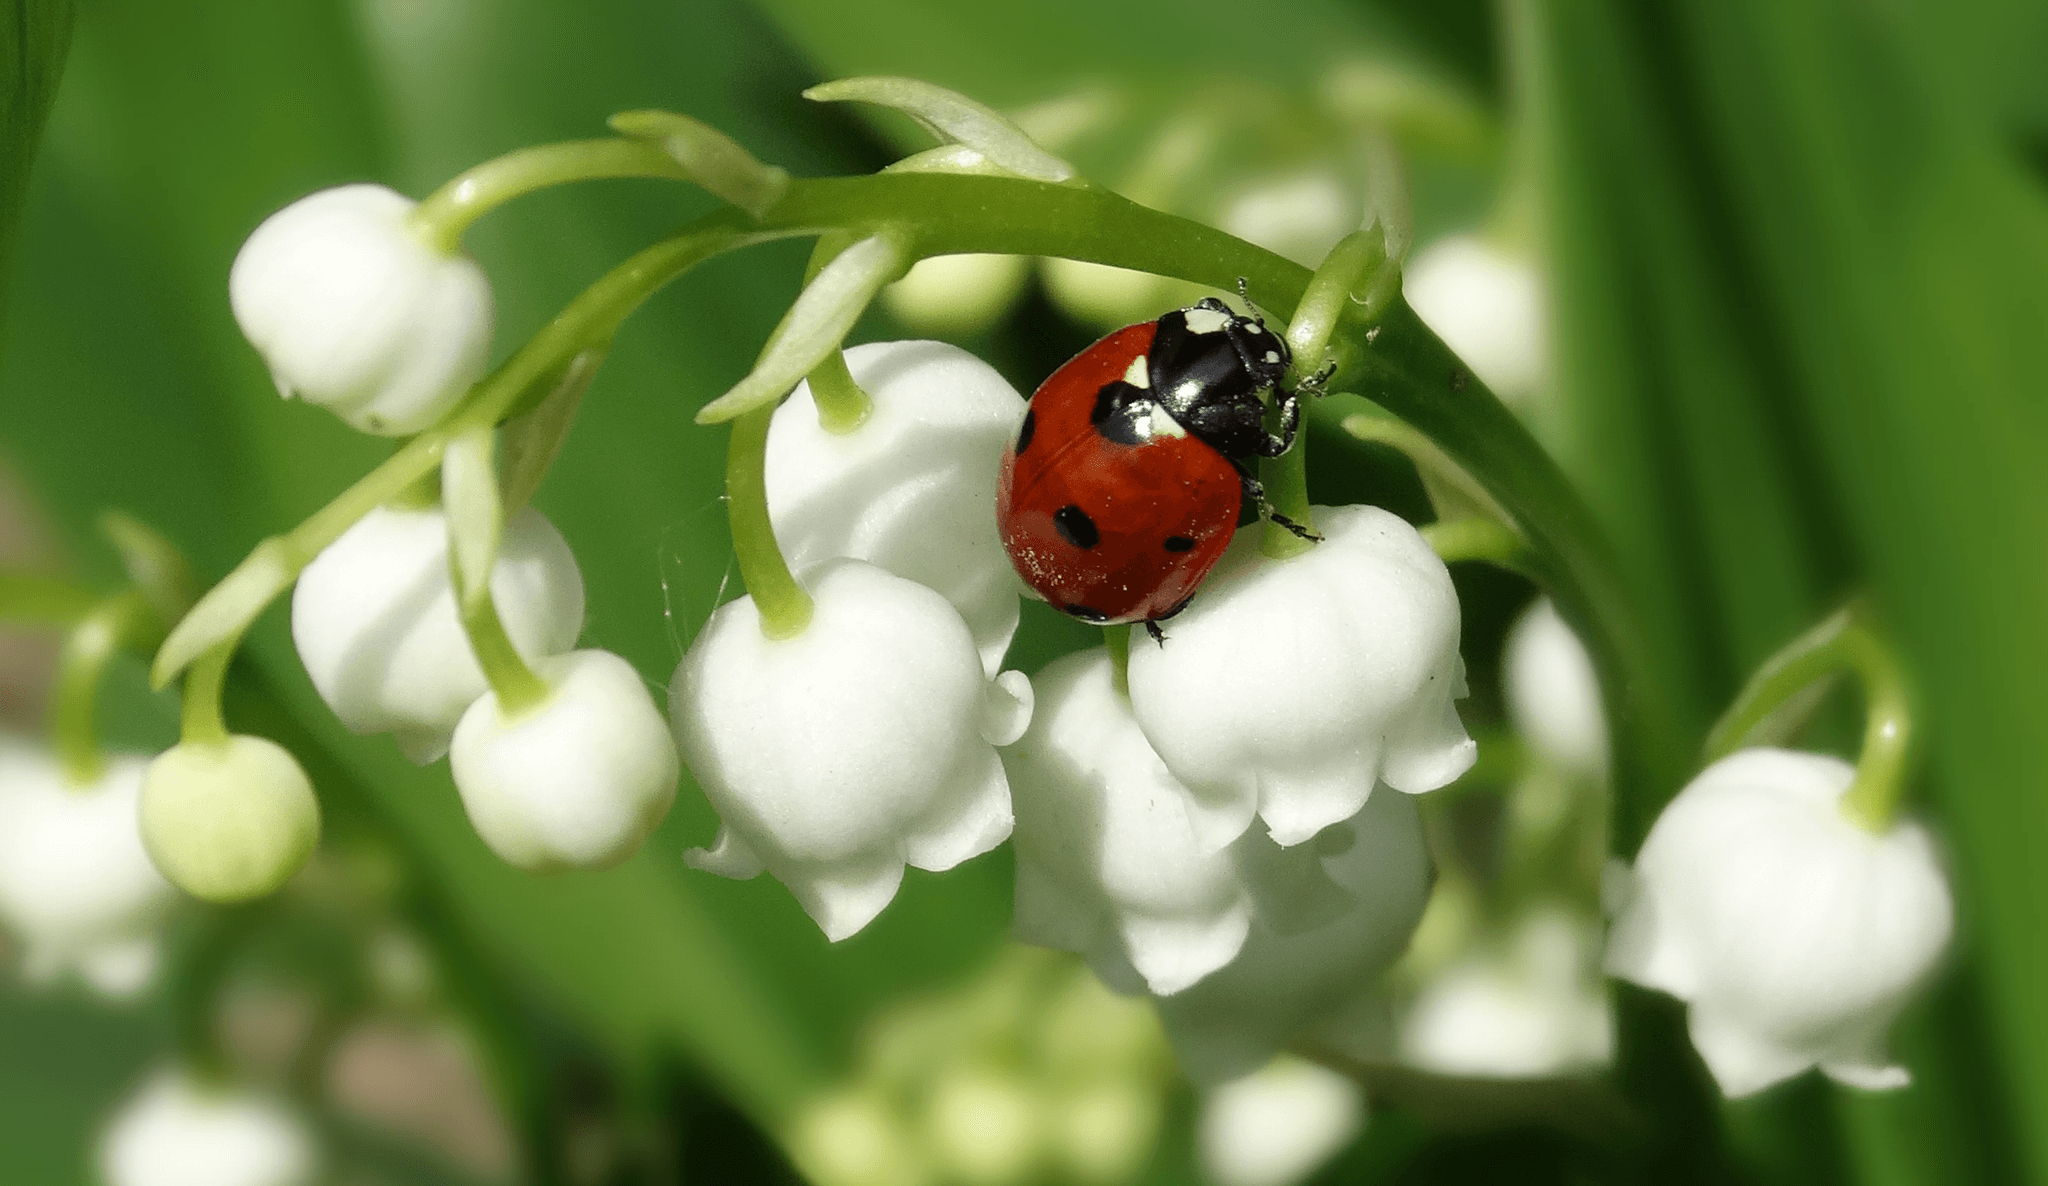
1130	469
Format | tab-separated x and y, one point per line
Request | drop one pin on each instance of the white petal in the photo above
970	821
838	753
845	899
375	622
576	782
1175	953
1552	694
1743	1061
353	311
1006	708
728	856
911	488
1295	685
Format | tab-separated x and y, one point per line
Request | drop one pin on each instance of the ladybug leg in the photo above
1255	493
1290	426
1152	628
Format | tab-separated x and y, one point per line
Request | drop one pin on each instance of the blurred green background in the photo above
1798	267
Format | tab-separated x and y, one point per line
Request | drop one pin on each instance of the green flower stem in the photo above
523	381
1117	641
784	606
1453	493
514	683
842	405
448	212
1482	539
1846	641
200	721
1285	479
123	620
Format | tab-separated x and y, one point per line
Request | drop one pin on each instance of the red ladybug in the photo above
1129	471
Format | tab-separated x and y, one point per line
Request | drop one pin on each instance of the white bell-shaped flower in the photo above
76	887
175	1132
1108	862
1795	934
1487	305
862	744
354	310
913	488
1532	1009
1277	1125
1289	688
574	782
376	626
1336	922
228	821
1552	693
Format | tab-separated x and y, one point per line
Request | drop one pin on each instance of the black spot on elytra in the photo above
1025	430
1076	527
1085	614
1179	543
1116	411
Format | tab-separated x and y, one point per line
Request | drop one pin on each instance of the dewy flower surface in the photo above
76	886
1108	862
1795	934
1288	688
375	622
176	1132
862	744
912	489
578	780
355	311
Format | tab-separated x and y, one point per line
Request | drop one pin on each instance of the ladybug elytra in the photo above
1130	469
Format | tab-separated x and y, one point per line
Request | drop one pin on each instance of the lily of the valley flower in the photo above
228	821
76	887
574	782
1795	934
375	621
1277	1125
354	310
1553	696
1108	862
1291	687
911	488
1487	306
1534	1008
176	1132
1305	961
862	744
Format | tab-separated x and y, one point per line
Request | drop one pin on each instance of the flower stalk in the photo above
1847	641
449	211
784	605
121	620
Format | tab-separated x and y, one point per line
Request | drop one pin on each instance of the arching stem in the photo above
121	620
1117	641
784	606
449	211
1847	641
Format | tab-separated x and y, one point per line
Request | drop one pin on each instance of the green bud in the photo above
231	821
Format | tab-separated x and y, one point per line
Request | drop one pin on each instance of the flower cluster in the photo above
1227	820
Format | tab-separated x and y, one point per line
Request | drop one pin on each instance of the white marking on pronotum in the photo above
1137	375
1206	321
1272	356
1160	423
1189	390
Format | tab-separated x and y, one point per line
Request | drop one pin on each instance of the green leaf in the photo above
34	35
